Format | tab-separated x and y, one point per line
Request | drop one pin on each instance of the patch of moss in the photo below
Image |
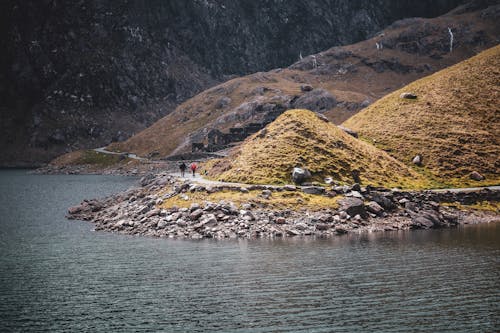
91	157
489	206
278	200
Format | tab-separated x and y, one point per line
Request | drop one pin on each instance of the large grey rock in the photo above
426	220
318	100
383	201
374	208
353	206
313	190
408	95
418	160
300	175
196	214
349	131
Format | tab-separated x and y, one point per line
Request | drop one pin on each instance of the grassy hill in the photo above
354	76
302	138
454	123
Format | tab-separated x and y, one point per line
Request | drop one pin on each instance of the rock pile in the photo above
138	211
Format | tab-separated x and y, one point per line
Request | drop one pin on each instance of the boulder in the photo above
266	194
383	201
355	194
280	220
426	220
313	190
340	189
306	87
318	100
300	175
74	210
476	176
223	102
408	95
353	206
418	160
289	188
374	208
196	214
341	230
348	131
322	226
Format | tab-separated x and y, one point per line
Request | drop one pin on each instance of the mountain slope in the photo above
77	74
343	79
301	138
454	123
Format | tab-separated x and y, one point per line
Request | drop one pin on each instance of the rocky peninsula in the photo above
164	205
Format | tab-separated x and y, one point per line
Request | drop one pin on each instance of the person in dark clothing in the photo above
193	168
183	168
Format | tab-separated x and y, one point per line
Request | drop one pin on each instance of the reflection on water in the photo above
58	275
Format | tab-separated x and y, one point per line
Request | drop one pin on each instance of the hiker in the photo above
183	168
193	168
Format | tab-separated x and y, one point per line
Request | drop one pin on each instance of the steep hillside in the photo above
301	138
343	80
454	123
77	74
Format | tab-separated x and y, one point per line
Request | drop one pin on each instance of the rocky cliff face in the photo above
83	73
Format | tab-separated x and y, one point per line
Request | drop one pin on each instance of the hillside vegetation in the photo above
343	80
454	122
301	138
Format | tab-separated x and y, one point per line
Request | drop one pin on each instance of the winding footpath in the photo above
103	150
200	180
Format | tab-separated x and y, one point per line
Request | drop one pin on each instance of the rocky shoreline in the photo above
138	211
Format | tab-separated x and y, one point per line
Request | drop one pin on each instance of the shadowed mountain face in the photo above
78	74
337	82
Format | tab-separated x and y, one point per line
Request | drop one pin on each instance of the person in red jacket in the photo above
193	168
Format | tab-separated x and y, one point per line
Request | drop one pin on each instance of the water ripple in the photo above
59	276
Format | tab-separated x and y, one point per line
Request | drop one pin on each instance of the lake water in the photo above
58	275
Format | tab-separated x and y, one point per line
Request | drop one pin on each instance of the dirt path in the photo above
103	150
199	179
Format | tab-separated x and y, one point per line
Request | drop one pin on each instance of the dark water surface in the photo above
58	275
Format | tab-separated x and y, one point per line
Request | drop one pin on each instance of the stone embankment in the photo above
139	211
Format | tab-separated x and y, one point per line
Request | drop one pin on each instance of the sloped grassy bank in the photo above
453	123
302	138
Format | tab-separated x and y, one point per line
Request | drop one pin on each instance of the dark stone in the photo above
383	201
306	87
418	160
476	176
374	208
300	175
353	206
318	100
322	226
313	190
426	220
408	95
196	214
349	131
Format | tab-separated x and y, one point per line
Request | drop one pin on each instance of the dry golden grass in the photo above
299	138
89	157
487	206
171	134
278	200
454	123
